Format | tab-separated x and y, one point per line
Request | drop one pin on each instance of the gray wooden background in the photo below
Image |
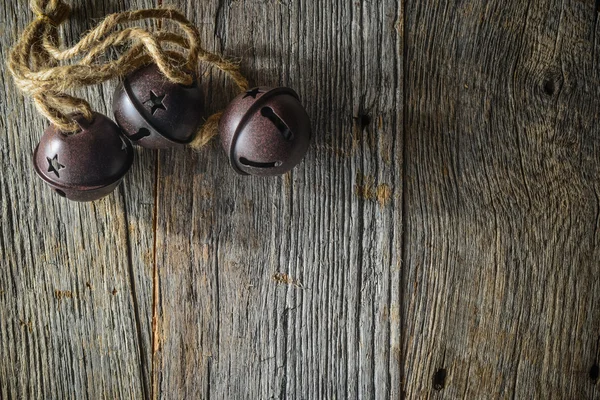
441	239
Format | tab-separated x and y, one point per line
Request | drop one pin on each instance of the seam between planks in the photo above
403	241
155	283
136	312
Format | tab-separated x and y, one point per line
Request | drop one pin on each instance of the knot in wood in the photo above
552	82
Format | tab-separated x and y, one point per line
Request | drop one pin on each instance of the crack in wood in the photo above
155	285
134	298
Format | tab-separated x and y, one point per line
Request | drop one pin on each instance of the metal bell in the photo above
155	112
86	165
265	131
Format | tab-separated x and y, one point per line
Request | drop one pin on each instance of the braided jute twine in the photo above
39	65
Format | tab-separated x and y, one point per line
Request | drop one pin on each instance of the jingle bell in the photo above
155	112
86	165
265	131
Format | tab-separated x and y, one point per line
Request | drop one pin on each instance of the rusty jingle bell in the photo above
265	131
86	165
155	112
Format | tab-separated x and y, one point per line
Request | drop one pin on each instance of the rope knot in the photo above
34	61
53	12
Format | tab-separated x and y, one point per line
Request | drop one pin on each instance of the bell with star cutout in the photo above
155	112
86	165
265	131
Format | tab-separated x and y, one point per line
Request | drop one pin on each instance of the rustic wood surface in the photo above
440	239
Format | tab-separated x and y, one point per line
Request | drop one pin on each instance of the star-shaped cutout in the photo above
156	102
54	165
252	93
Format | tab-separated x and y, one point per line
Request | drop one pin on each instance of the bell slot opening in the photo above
140	134
255	164
282	127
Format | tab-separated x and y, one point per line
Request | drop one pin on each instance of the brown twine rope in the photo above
36	61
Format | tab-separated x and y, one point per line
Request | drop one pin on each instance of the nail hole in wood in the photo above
439	379
549	87
595	373
364	120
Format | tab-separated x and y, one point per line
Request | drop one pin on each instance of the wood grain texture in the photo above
289	287
502	171
73	320
440	240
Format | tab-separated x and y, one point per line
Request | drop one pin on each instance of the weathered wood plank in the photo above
72	325
502	178
193	282
289	287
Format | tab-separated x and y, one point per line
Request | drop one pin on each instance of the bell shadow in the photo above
182	173
205	179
